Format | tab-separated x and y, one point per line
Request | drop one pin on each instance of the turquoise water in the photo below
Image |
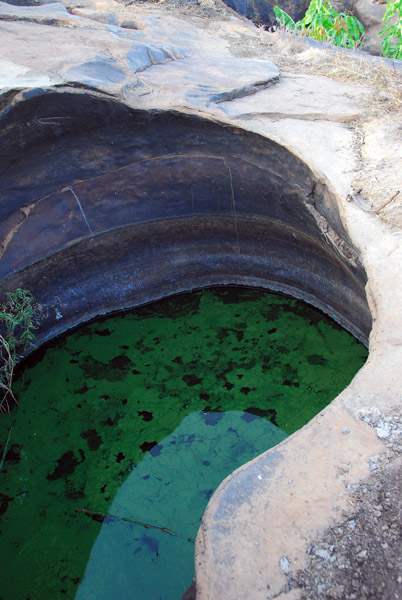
126	427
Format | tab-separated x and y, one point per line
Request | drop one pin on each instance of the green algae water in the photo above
126	427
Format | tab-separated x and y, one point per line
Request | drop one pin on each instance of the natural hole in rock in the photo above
128	424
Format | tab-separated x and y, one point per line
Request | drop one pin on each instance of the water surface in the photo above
127	425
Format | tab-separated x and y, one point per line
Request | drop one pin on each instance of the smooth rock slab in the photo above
98	71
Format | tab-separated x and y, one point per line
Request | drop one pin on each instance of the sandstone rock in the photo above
142	56
102	71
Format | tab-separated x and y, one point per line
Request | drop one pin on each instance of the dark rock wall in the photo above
104	207
262	11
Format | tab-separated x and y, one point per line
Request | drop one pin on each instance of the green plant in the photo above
19	316
321	22
392	42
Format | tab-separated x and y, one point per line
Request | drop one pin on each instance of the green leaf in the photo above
319	23
284	19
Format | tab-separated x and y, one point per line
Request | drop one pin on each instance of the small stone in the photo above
362	554
382	433
345	431
284	564
324	554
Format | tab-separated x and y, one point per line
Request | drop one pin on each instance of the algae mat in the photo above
127	425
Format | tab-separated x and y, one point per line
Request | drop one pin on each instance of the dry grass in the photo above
293	53
383	78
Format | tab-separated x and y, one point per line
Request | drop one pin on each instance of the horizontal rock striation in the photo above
105	207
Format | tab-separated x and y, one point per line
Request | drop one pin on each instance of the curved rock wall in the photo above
105	207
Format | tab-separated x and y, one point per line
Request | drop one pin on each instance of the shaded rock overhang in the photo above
104	207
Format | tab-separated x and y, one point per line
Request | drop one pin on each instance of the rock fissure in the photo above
334	118
82	211
248	90
331	236
25	210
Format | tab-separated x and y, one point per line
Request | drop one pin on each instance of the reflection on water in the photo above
141	416
169	489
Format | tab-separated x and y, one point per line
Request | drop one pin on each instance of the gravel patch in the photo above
360	558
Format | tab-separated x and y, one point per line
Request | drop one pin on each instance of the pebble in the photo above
382	433
324	554
284	564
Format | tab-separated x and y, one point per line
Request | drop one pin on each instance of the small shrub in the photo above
19	317
321	22
392	42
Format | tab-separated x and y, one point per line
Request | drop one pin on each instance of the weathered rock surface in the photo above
371	15
145	146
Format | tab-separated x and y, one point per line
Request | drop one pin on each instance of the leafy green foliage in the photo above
392	42
321	22
19	316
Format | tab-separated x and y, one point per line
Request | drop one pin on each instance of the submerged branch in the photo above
100	516
3	458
